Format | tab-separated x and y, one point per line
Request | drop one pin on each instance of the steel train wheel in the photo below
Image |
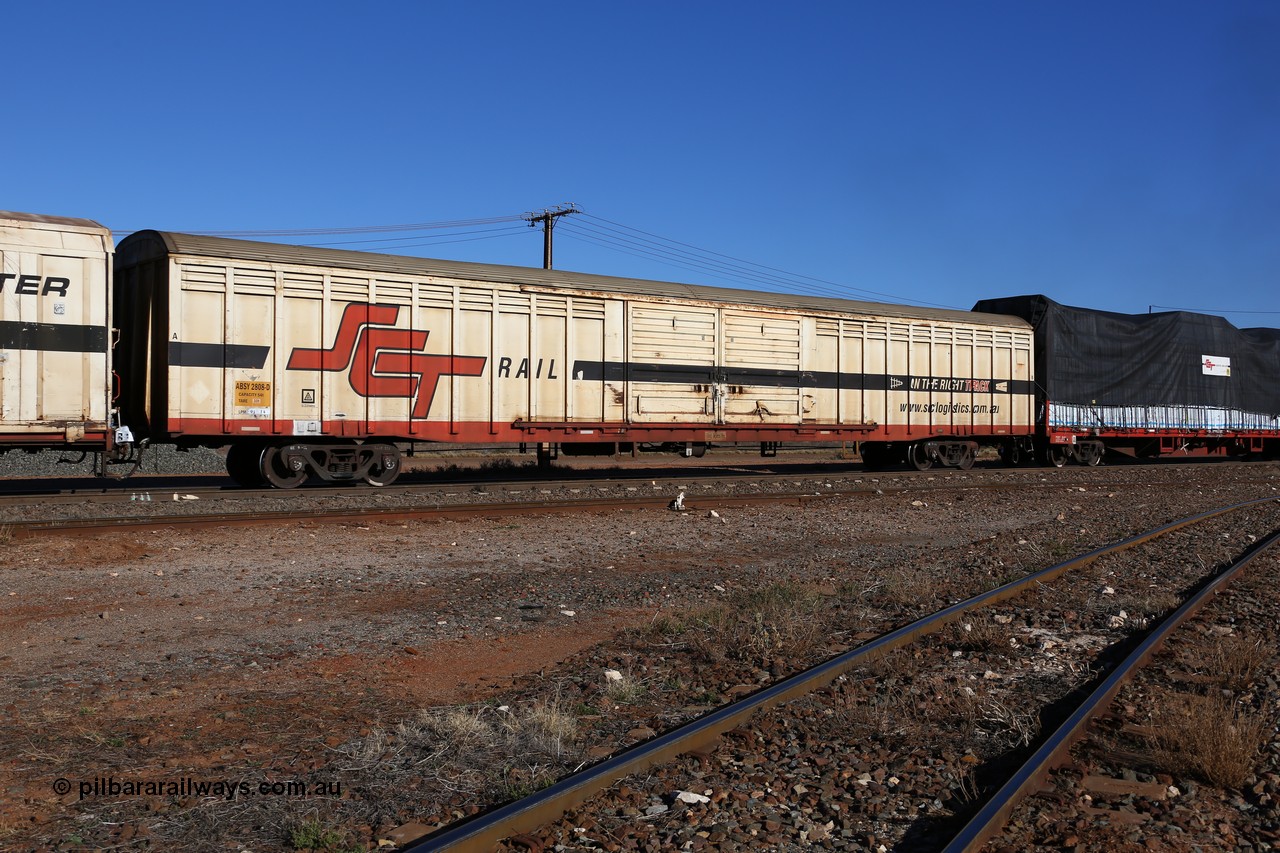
379	475
967	457
1011	453
917	456
1056	455
277	473
1091	454
242	465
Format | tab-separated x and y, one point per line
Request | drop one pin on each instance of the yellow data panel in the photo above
253	394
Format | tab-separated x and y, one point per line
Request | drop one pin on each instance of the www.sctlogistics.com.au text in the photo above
226	789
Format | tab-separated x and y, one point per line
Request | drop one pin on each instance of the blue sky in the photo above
1112	155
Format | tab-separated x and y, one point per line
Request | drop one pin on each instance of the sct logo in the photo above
34	284
384	361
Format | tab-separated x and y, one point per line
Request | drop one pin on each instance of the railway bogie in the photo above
285	465
948	452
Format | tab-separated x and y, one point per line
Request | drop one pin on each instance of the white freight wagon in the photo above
55	320
316	362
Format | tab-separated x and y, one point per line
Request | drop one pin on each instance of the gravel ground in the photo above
280	653
895	754
1189	759
162	459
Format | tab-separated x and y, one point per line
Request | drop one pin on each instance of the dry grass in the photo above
977	632
900	663
965	790
755	627
318	835
894	699
1007	726
498	753
1150	602
666	629
892	716
625	690
761	626
910	585
1211	737
1236	661
901	702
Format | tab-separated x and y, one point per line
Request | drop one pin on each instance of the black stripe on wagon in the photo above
52	337
693	374
185	354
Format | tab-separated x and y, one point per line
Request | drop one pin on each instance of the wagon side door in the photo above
671	364
761	376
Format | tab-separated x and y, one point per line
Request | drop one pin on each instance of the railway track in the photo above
16	490
192	502
1055	750
102	526
529	821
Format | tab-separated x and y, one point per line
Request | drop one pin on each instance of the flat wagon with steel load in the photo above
55	324
1169	383
317	362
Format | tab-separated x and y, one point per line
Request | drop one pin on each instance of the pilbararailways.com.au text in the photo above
226	789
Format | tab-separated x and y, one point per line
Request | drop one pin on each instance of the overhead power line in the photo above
595	230
634	241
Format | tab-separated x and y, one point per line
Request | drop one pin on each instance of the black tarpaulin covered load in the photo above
1173	370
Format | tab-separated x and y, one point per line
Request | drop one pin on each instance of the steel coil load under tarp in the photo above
1173	370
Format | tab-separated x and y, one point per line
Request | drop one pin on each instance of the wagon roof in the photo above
193	245
61	222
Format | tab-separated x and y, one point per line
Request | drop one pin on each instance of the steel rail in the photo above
219	485
97	526
681	481
514	489
486	829
622	478
991	818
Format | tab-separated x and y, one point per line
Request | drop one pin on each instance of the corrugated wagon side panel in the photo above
547	375
822	357
866	354
298	397
220	335
923	379
512	344
673	353
587	345
762	354
277	351
468	399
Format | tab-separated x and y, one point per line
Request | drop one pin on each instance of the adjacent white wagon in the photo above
55	320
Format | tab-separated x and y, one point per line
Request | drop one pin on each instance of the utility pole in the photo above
548	220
